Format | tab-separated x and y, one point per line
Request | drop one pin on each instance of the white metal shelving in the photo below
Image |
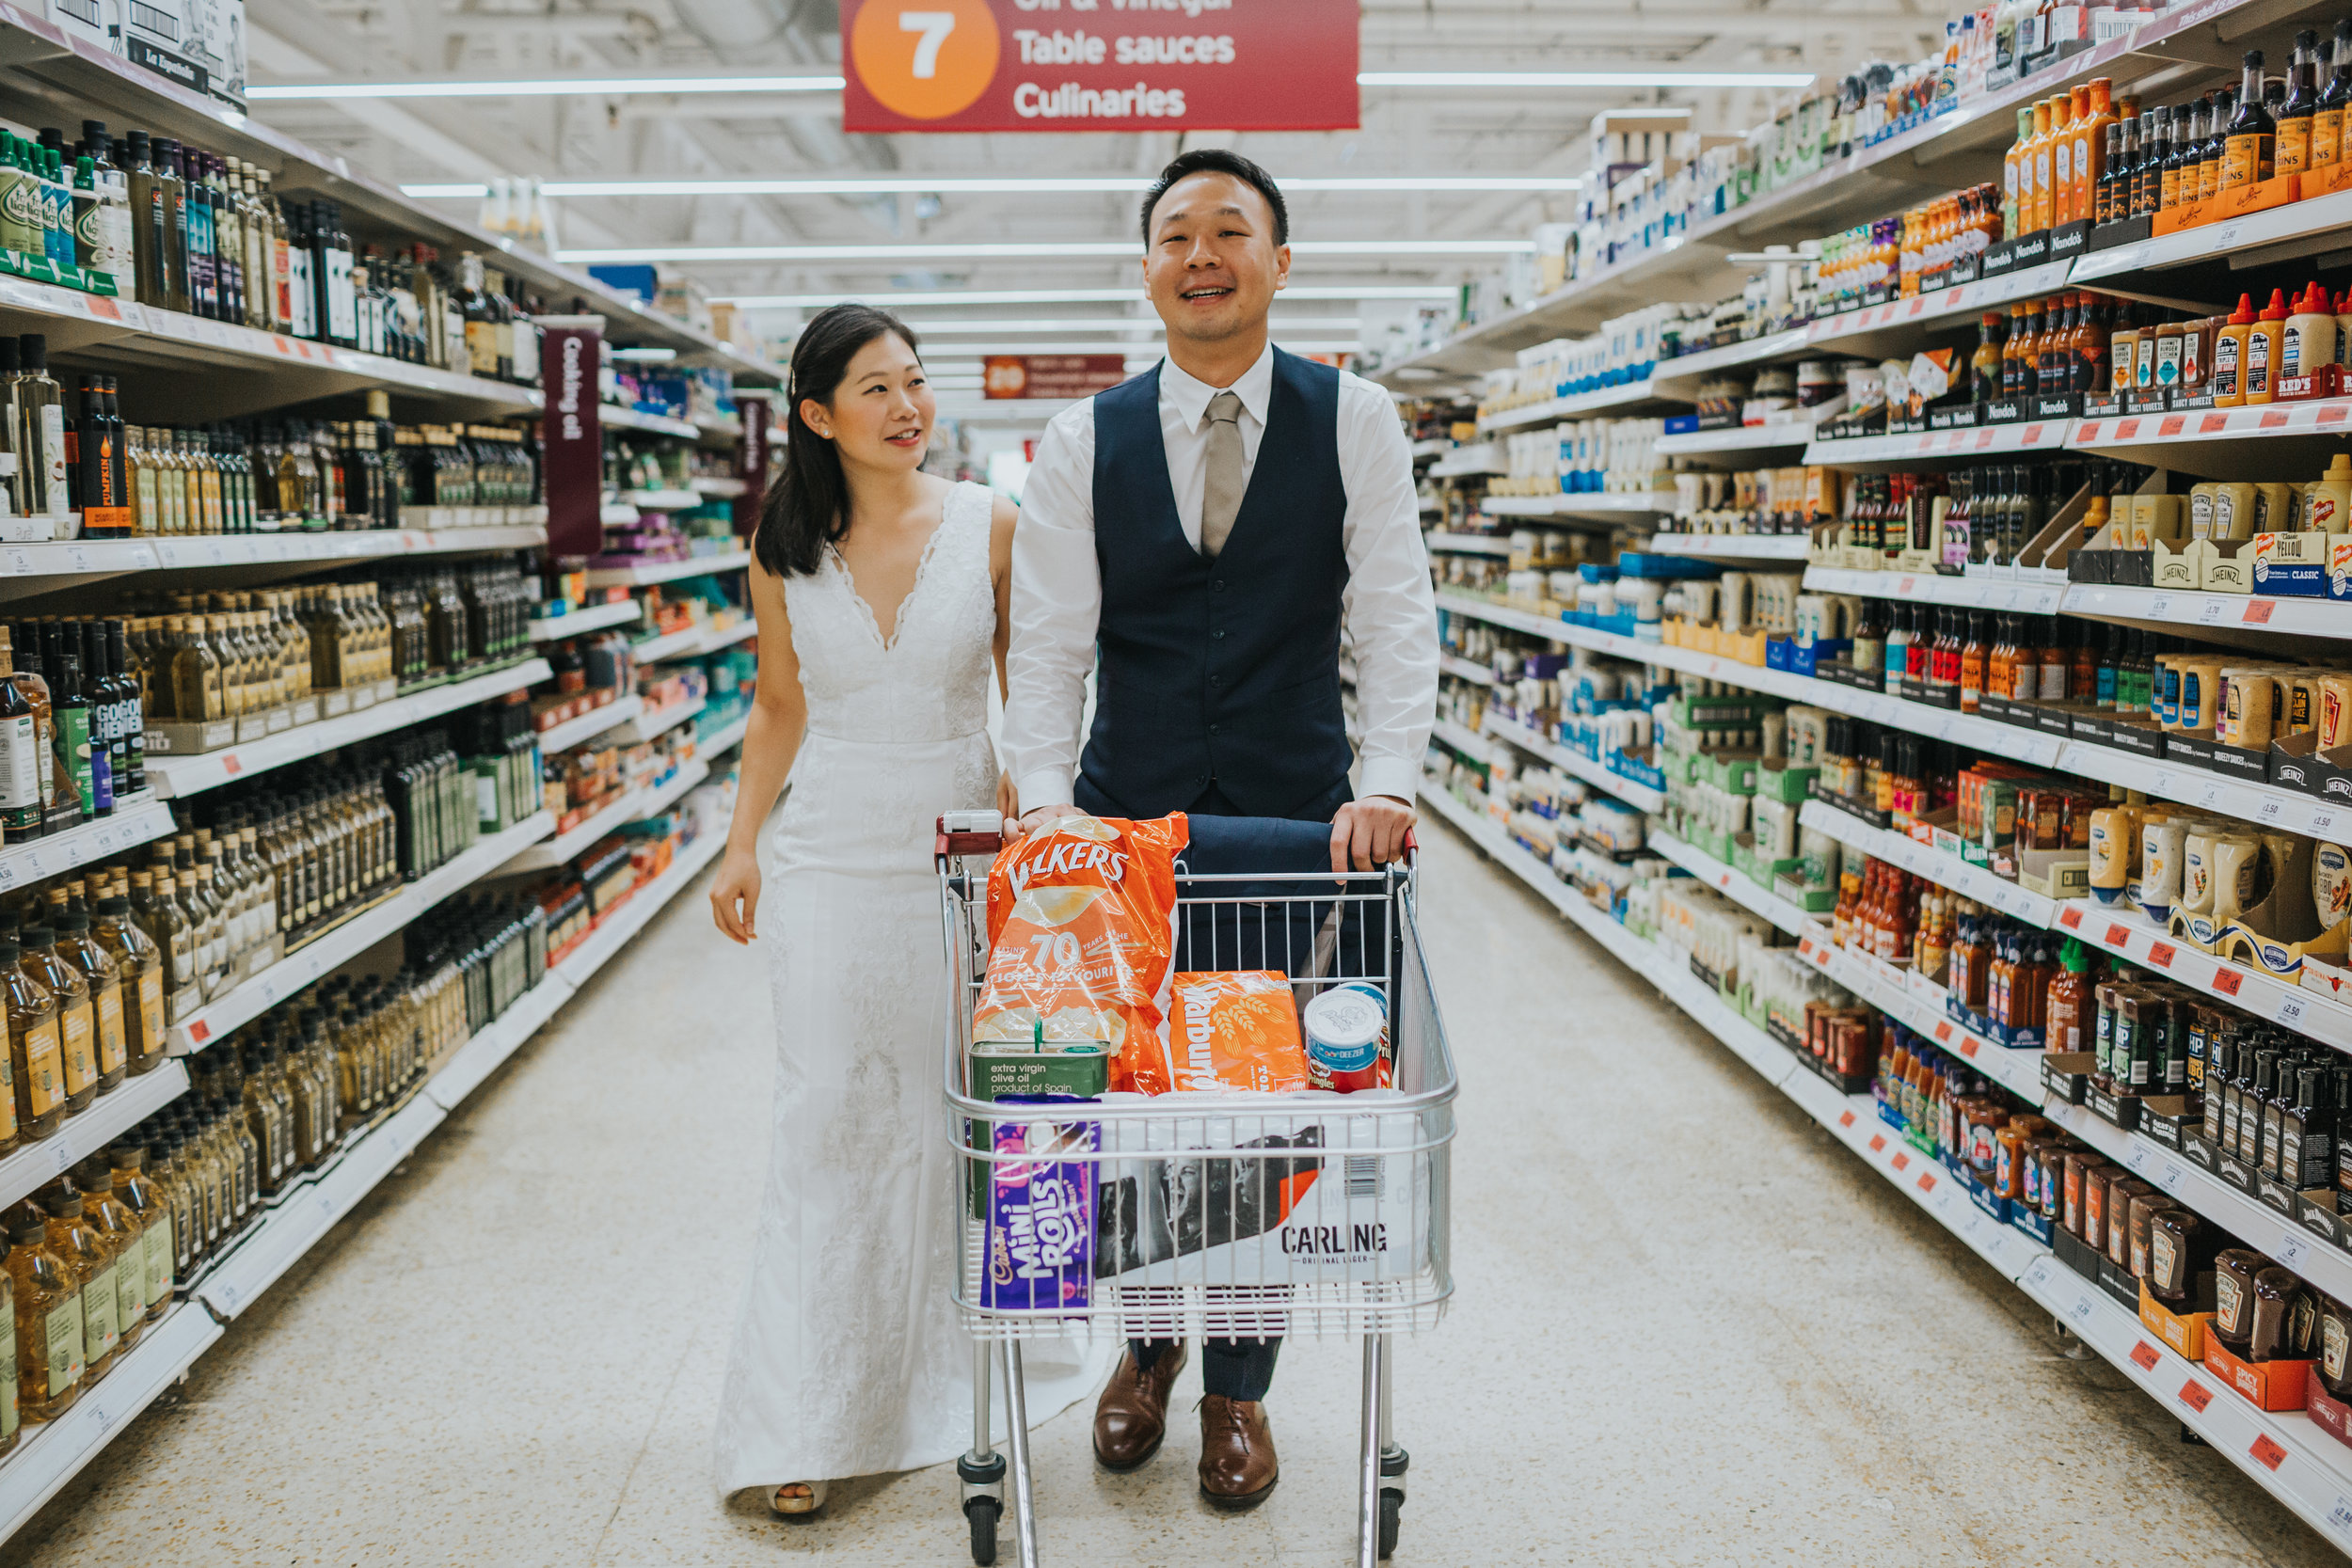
1749	437
651	722
1631	791
1466	544
1465	670
571	732
1978	591
667	571
642	906
175	777
84	1132
1574	406
1921	860
1582	503
588	618
137	820
1463	461
544	853
1733	547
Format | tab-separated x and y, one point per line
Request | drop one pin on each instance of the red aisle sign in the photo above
572	445
1065	376
1099	65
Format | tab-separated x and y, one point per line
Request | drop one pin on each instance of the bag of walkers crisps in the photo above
1237	1029
1082	930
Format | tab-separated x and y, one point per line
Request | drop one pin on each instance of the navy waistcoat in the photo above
1221	671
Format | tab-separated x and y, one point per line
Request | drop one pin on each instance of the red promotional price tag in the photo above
1984	439
199	1031
2333	414
2032	436
1926	1180
2126	429
2266	1450
1804	948
2257	611
231	765
1968	1047
2225	981
2117	936
106	307
1944	1031
2161	953
2274	419
2212	424
2196	1394
1901	1161
2071	919
1878	1140
2171	424
1845	1119
2144	1355
1902	588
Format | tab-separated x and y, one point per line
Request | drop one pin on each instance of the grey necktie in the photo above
1220	495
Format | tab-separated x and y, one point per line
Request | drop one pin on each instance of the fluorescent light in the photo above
944	184
1113	323
1584	79
559	87
646	356
1020	249
1063	297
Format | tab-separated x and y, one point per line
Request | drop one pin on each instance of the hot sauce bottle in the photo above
1973	653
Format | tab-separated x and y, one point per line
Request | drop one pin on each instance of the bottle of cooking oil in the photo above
35	1062
76	1025
148	1204
139	972
47	1316
78	948
89	1260
125	1238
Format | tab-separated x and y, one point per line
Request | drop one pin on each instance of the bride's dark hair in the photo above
808	506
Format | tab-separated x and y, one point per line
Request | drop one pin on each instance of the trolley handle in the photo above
983	833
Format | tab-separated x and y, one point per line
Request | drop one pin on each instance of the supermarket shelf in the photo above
662	500
1969	593
174	778
1486	458
661	720
2294	616
1637	795
667	571
1466	544
139	820
616	514
659	648
1431	445
661	796
2319	218
2121	929
2217	439
1942	309
474	1061
1751	437
723	737
1466	669
353	937
1915	1004
81	1135
548	853
1737	547
1569	408
719	485
571	732
1947	871
719	428
1876	181
644	419
1589	503
1708	362
2281	1451
1973	442
595	617
89	560
643	905
694	641
2195	786
50	1455
1463	739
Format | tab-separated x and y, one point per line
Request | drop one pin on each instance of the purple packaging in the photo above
1041	1217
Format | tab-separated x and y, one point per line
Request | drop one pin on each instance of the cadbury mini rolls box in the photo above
1041	1217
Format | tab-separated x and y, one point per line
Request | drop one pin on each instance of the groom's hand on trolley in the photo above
1369	832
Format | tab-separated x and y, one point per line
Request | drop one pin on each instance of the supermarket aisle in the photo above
1690	1330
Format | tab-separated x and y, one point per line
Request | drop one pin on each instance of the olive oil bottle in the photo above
35	1062
47	1319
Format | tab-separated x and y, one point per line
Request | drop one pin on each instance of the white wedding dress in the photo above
848	1359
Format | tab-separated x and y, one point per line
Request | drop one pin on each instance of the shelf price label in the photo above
2071	919
2289	1011
1926	1180
2144	1357
1944	1031
2118	936
2266	1448
2225	979
2161	953
1902	1161
2196	1394
1878	1140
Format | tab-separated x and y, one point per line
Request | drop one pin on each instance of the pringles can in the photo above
1347	1034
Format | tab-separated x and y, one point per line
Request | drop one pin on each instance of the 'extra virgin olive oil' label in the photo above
44	1070
80	1067
151	1009
113	1051
8	1377
131	1285
63	1332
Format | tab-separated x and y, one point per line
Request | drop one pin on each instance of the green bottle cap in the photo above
2070	954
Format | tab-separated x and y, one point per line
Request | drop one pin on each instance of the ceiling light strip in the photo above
946	184
609	85
1012	250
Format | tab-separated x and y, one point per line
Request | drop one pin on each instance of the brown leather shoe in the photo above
1237	1464
1131	1418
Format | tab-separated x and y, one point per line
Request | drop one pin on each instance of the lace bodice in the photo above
930	682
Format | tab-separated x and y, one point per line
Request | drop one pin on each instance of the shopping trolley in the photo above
1207	1213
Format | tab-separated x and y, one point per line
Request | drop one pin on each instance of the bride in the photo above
883	595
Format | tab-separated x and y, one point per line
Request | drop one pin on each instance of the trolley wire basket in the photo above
1209	1211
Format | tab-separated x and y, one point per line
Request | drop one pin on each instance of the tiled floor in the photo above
1689	1330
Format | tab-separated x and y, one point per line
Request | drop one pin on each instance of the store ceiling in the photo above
1485	130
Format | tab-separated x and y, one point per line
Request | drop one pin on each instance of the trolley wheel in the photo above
983	1513
1392	1504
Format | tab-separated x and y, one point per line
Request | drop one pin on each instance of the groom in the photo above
1207	529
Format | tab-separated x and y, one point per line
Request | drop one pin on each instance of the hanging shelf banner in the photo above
1099	65
571	354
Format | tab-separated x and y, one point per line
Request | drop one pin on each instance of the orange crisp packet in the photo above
1082	932
1236	1029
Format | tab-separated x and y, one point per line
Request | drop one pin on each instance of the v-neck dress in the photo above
848	1359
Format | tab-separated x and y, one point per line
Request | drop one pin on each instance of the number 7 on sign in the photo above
934	27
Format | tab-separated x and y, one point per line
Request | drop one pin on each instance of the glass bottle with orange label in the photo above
2297	113
2071	111
2012	176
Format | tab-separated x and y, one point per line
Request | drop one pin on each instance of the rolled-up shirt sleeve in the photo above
1056	609
1389	608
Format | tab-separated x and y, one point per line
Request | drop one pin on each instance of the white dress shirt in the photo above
1388	608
